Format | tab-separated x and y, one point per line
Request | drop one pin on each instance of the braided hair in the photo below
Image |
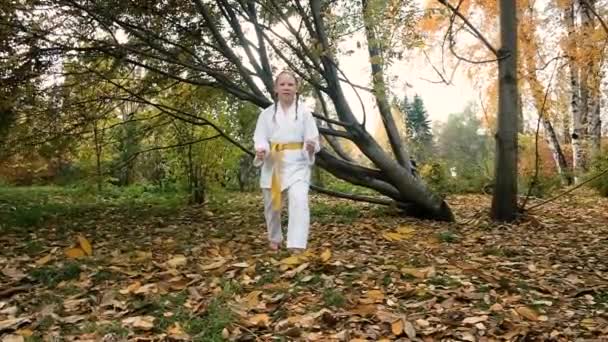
276	96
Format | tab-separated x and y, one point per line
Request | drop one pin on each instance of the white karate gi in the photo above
283	127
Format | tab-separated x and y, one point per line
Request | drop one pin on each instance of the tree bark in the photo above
504	199
576	102
591	76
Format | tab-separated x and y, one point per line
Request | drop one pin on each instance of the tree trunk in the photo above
591	76
98	147
576	102
504	199
556	151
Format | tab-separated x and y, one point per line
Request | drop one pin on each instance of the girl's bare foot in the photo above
275	246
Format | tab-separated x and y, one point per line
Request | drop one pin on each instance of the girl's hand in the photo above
310	147
260	154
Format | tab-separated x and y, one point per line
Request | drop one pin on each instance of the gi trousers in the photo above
299	216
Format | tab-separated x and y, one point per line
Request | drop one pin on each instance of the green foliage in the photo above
598	165
333	212
447	236
541	186
333	298
418	125
51	276
466	152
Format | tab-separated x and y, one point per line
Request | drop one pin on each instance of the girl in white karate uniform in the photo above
286	140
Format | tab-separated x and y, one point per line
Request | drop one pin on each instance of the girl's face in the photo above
285	86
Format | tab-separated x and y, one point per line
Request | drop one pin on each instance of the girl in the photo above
286	140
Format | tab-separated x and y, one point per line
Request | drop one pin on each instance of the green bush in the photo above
598	165
541	187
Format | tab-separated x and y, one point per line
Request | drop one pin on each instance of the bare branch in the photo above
478	34
341	134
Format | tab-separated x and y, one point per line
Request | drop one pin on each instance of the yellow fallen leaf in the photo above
131	288
44	260
252	299
177	261
176	332
397	327
375	294
25	332
292	260
85	245
527	313
260	320
392	236
75	253
405	230
326	255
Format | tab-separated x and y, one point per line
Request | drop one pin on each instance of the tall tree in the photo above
504	201
418	127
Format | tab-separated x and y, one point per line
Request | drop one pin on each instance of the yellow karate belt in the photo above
276	153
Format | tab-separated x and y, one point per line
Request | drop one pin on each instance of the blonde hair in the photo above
276	97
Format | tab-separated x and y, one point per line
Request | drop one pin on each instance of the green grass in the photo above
344	213
205	327
500	252
50	276
24	209
447	236
333	298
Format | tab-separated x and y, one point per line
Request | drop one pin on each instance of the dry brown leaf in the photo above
13	273
13	338
364	310
75	253
527	313
475	320
410	331
421	273
85	245
13	323
213	265
496	307
44	260
146	289
140	322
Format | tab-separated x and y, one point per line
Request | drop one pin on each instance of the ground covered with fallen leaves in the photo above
145	271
